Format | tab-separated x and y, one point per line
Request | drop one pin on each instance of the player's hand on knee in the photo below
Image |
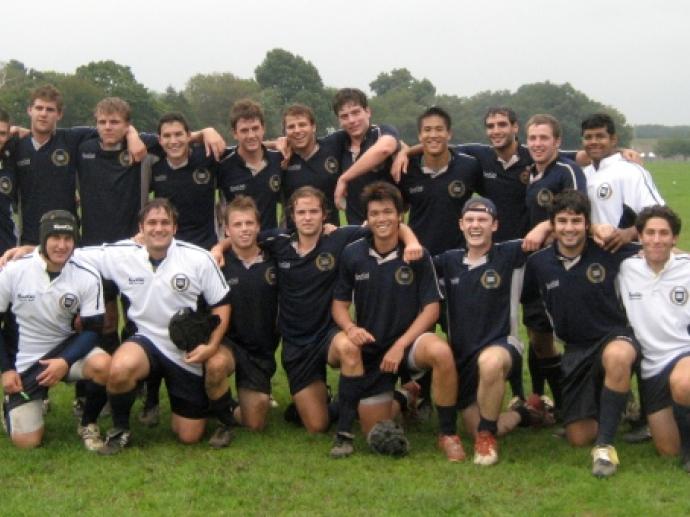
11	382
54	371
200	354
359	336
391	361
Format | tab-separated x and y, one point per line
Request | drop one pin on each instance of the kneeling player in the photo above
654	290
485	276
396	304
47	290
249	348
576	280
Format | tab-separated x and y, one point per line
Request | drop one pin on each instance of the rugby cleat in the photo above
150	417
604	461
451	445
343	446
221	437
91	436
115	441
638	434
485	449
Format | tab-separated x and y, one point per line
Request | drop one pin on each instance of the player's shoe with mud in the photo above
343	446
538	407
115	441
221	437
451	445
604	461
91	436
485	449
151	416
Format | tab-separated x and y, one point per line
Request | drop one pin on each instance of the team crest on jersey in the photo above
524	177
60	157
679	295
404	275
125	158
490	279
5	185
180	282
201	176
270	275
331	165
274	183
456	189
325	261
69	301
604	191
544	197
596	273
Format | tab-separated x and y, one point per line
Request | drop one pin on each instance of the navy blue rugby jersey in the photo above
235	178
481	301
8	201
306	283
436	201
388	293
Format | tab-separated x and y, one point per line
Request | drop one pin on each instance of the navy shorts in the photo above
534	317
252	371
656	391
186	390
305	365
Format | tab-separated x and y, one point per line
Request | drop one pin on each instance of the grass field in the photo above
284	471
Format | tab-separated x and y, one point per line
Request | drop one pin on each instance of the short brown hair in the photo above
349	95
48	93
382	191
299	110
545	120
306	191
245	109
241	204
156	203
113	105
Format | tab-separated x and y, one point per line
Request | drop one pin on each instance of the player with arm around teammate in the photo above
654	289
48	289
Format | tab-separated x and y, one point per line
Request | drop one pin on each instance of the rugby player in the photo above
251	169
575	279
394	337
48	290
654	289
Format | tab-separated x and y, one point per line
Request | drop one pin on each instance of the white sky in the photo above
633	54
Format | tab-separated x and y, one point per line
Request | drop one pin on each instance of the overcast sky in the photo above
633	55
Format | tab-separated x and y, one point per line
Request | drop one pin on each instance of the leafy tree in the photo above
670	147
401	79
288	74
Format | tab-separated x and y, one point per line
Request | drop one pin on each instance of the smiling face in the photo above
242	227
58	249
598	143
158	229
478	228
354	119
542	144
300	132
249	134
434	135
174	139
500	132
657	241
383	219
570	230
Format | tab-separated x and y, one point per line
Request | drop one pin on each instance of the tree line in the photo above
283	78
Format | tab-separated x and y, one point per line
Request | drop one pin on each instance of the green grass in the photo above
284	471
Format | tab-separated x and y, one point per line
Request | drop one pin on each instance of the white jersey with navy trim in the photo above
618	183
186	273
45	308
658	307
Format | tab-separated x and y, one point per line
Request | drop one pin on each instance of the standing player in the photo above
394	337
550	174
313	162
176	275
48	290
368	150
251	169
252	338
45	161
437	184
8	193
485	342
654	289
575	279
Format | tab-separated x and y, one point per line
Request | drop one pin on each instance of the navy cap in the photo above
480	204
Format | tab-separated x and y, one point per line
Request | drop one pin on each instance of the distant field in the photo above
284	471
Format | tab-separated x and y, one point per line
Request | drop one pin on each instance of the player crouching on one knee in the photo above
654	290
48	290
396	304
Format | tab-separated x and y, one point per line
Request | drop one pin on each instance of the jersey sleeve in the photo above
91	303
639	190
98	258
213	285
530	285
344	285
77	135
429	290
5	289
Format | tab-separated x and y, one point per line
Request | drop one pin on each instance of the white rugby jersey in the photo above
186	273
658	307
45	309
618	183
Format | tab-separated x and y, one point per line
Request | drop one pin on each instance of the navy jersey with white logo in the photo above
436	200
8	200
235	178
481	300
559	175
